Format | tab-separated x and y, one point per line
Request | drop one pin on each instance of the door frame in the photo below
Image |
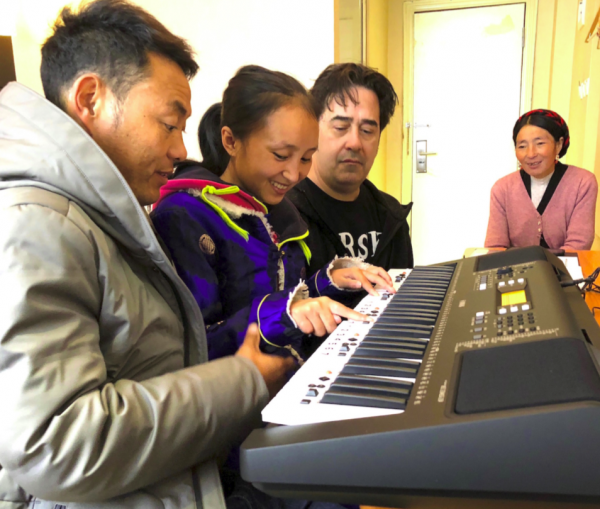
411	7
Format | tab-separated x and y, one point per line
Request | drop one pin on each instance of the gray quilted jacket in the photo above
106	399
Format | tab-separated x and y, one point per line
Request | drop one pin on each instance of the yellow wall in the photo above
34	19
377	57
349	30
395	130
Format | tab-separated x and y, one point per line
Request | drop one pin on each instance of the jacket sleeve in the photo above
320	283
497	231
181	228
71	429
581	227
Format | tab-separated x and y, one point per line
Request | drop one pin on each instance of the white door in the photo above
467	87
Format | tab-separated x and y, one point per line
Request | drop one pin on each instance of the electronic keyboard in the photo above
367	369
478	382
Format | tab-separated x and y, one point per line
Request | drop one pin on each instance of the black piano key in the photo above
441	278
409	331
414	320
421	285
396	338
421	276
414	296
417	304
369	389
420	293
374	382
407	311
387	335
410	311
357	398
437	285
391	351
362	365
434	269
420	346
353	389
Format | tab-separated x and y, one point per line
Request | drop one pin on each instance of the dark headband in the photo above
548	120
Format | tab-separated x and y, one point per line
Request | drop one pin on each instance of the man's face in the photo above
142	135
348	141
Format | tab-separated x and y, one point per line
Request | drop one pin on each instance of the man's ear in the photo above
85	101
230	142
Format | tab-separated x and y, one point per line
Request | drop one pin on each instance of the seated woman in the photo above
236	241
546	202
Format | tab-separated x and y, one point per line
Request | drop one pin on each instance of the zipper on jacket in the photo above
303	245
281	266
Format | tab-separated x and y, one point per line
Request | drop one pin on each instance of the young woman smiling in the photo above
546	202
236	241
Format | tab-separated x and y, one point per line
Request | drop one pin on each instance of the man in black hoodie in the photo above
346	214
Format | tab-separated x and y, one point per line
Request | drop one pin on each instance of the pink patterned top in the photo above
567	222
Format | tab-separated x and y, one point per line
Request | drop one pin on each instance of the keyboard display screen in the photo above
514	298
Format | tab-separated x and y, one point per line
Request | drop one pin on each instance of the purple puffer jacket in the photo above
242	262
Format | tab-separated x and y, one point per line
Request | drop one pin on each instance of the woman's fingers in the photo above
341	310
377	279
322	315
303	323
363	278
328	319
381	272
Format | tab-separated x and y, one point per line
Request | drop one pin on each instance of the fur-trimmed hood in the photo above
283	221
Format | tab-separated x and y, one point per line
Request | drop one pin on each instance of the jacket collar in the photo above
284	218
200	178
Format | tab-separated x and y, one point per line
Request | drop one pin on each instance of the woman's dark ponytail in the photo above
214	156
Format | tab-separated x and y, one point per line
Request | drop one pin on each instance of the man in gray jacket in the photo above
105	396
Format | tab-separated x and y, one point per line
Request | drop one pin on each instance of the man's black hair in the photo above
112	38
339	82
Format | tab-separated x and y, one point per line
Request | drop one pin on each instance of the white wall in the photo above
293	36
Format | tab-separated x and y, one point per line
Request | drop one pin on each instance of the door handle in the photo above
422	156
